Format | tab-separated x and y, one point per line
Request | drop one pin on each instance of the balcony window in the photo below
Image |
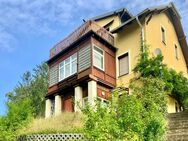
98	58
68	67
61	71
74	63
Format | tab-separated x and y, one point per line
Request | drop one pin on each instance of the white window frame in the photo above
60	67
94	51
70	63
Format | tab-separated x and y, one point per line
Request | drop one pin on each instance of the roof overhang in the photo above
112	13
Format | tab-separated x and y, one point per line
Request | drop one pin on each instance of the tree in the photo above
18	115
25	102
34	85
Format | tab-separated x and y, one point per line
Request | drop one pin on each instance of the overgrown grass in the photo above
64	123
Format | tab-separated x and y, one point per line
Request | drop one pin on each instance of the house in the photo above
100	55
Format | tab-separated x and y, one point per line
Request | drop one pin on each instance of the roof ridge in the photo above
107	14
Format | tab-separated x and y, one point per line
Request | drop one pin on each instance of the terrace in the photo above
78	33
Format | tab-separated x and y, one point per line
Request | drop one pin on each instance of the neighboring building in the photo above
101	53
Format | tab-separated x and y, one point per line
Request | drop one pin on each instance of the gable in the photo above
153	35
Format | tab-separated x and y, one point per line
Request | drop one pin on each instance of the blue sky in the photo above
28	29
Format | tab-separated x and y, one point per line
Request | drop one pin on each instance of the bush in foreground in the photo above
139	116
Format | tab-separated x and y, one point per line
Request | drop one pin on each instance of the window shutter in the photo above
124	65
53	78
84	58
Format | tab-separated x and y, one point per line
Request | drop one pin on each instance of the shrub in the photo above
15	119
140	116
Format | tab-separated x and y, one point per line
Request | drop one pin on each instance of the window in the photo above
61	71
176	52
98	58
52	107
123	64
74	63
163	35
85	102
68	67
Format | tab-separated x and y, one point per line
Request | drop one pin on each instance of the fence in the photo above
52	137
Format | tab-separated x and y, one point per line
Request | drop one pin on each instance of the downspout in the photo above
142	33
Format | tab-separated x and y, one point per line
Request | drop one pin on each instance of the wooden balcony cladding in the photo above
85	69
108	76
78	33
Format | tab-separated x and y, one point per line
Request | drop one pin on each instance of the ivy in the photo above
176	84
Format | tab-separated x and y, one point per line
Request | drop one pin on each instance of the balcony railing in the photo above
79	32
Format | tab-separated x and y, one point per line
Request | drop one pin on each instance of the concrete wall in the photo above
172	105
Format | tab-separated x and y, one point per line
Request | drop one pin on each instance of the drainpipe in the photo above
142	33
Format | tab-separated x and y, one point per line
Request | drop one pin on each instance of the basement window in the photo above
85	102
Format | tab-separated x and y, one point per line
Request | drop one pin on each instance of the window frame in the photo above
70	66
121	56
103	56
63	66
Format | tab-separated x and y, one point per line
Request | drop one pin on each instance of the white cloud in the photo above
7	41
41	17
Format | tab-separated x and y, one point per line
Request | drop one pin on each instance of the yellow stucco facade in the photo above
172	105
128	39
154	39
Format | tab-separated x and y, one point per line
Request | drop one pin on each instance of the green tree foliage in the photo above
24	102
17	116
139	116
175	83
34	86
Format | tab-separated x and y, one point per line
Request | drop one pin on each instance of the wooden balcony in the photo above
79	32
